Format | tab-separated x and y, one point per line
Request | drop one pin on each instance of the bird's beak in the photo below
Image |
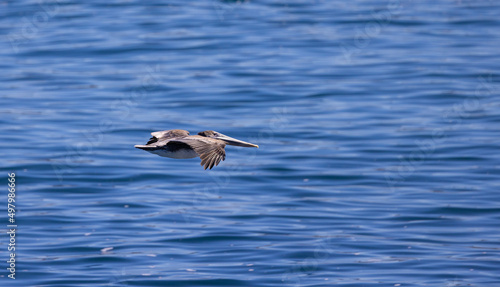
233	141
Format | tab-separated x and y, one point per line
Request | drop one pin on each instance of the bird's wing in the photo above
210	151
161	135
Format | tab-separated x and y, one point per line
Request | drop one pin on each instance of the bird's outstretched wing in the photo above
210	151
164	135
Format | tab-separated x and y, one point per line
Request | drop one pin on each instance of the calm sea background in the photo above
378	124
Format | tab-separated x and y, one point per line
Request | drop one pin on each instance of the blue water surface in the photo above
378	124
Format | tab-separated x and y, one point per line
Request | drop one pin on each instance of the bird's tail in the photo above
145	147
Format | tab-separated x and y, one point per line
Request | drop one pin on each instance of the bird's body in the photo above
208	145
179	154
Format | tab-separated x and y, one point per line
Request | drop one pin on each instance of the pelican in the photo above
208	145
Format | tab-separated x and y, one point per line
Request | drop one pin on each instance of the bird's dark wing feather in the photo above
152	140
210	151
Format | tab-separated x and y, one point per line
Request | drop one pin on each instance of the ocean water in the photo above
378	124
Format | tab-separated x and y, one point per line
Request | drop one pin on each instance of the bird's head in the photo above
226	139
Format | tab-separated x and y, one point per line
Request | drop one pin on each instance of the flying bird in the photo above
208	145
